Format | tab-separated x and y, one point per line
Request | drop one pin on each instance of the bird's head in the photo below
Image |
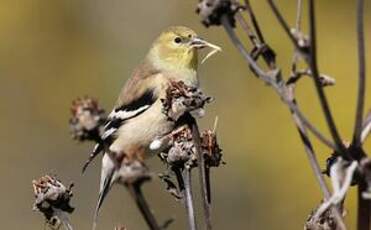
177	47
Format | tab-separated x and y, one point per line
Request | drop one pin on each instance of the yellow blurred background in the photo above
52	51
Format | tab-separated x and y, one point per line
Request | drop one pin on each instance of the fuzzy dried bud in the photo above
181	98
52	198
182	151
211	11
87	119
210	148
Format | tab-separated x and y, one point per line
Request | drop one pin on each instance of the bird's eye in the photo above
177	40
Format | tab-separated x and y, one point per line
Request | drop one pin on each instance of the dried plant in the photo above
348	164
52	199
186	149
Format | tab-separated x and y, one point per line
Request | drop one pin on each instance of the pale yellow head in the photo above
177	48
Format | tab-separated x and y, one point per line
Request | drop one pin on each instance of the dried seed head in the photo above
87	119
181	99
182	152
210	148
52	198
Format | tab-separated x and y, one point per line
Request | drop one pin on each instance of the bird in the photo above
137	118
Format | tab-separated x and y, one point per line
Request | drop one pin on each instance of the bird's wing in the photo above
135	98
125	112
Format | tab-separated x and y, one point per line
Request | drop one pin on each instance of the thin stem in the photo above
186	175
204	180
245	26
299	11
316	78
235	40
361	74
295	56
136	192
208	184
284	24
254	21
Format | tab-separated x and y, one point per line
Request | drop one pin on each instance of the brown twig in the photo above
136	192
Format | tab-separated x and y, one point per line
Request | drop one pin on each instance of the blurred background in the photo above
54	51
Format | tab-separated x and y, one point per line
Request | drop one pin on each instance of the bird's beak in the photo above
200	43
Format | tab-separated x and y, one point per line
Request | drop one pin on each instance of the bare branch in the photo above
136	192
357	140
268	77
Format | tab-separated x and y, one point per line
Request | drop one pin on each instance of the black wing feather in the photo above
115	121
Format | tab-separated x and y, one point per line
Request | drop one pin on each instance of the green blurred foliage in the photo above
54	51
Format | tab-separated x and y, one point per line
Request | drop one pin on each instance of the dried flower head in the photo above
181	98
211	11
182	151
210	148
52	199
87	119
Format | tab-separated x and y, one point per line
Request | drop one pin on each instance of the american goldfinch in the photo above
137	119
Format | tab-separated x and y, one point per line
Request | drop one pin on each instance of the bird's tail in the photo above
106	182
